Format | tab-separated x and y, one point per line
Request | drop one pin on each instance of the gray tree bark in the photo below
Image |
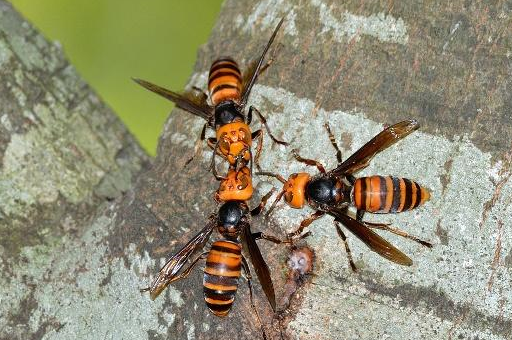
74	250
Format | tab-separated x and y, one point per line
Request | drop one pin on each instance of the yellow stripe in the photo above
389	194
222	272
225	70
375	193
402	195
219	302
357	194
227	244
224	254
413	200
230	80
368	201
219	287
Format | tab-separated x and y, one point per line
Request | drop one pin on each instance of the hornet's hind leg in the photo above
399	232
391	229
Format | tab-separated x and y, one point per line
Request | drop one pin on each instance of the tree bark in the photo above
75	251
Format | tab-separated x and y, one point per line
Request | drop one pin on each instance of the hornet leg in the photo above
347	248
248	277
307	161
333	142
306	222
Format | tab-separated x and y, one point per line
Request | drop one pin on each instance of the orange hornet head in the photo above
295	189
235	142
236	187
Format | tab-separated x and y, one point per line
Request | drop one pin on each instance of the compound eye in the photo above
245	136
224	144
244	182
288	196
243	178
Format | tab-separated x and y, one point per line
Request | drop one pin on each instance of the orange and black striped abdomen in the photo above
387	194
224	81
221	275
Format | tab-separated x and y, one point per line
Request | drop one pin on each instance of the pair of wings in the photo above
196	102
359	160
173	266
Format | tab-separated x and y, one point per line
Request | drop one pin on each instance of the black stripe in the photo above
363	193
396	195
223	295
418	194
220	280
219	308
220	265
408	194
226	249
223	74
383	193
217	66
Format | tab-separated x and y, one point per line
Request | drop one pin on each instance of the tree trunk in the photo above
75	252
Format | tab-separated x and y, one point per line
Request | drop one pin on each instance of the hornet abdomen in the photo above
224	81
387	194
220	281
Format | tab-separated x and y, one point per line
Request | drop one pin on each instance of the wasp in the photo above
333	192
224	108
224	259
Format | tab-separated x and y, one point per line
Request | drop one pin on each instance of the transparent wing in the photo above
259	264
253	70
191	101
371	239
362	157
176	262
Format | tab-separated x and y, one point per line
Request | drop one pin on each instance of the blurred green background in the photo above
112	40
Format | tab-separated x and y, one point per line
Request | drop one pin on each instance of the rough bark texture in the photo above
72	262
